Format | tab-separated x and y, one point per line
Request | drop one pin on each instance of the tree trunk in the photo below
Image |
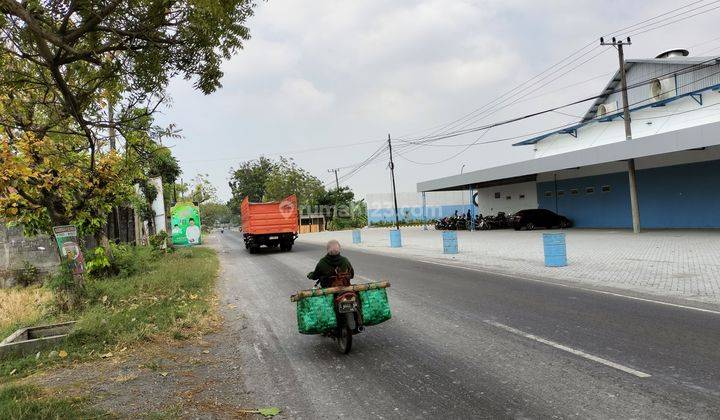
102	239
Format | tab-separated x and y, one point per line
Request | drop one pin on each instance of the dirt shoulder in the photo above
166	379
190	372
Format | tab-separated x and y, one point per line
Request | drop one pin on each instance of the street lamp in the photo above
461	168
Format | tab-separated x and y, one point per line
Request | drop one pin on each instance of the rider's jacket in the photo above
330	266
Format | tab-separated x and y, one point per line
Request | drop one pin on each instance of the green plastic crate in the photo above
375	306
316	314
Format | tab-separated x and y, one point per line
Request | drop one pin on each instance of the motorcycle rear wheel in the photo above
344	340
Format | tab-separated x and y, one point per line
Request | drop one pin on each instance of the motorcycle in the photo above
347	312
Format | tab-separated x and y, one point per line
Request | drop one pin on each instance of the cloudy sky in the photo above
326	81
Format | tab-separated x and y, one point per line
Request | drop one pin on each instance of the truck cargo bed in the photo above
268	218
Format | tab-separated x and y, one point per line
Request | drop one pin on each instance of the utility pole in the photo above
337	182
632	179
392	174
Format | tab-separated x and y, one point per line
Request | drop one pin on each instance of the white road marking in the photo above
576	352
603	292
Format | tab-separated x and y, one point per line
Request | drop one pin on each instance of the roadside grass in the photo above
21	306
169	298
28	402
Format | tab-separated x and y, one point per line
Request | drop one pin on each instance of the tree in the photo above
287	178
202	189
214	213
336	202
67	66
249	180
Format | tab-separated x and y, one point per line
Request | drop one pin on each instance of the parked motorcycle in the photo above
499	221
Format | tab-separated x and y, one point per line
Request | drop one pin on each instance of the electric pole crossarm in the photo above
337	182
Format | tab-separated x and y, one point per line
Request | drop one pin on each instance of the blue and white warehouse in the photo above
581	170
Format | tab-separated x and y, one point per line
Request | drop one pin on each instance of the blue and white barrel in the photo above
356	236
450	243
555	251
395	239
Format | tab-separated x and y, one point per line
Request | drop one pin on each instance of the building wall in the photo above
15	249
438	205
507	198
678	196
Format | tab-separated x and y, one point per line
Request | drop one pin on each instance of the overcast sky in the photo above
324	74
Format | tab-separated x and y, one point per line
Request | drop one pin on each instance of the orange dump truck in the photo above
270	224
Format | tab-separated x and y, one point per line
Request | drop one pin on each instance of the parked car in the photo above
535	218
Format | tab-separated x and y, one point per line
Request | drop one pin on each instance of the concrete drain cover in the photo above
33	339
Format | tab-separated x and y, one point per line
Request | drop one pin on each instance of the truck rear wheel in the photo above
286	246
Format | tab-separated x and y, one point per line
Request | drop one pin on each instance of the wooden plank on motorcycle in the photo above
332	290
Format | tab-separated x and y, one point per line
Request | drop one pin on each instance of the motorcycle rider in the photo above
331	265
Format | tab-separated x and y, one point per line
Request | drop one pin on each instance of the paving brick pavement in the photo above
672	263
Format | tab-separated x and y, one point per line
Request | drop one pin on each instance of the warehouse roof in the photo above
614	83
668	142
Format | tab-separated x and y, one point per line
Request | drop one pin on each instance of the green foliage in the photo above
164	165
159	240
269	412
336	202
266	180
27	275
67	291
127	260
250	180
430	222
130	260
28	402
288	178
97	263
354	217
65	66
172	297
214	214
202	189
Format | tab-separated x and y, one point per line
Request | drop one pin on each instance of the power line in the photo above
651	27
491	107
566	125
289	153
469	119
620	31
684	70
451	157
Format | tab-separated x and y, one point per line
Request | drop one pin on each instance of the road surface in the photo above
466	344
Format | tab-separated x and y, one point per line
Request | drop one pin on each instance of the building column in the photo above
472	210
424	216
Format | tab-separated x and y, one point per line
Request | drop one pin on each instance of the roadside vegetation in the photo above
29	402
264	179
143	296
22	306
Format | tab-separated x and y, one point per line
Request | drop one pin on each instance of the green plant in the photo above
27	275
173	299
98	264
159	240
429	222
28	402
130	260
67	291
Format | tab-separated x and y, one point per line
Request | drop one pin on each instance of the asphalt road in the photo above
466	344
